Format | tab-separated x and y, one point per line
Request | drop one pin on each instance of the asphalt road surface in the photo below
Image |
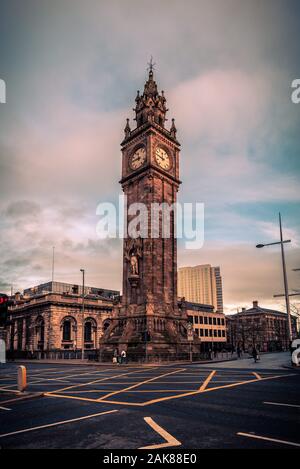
235	404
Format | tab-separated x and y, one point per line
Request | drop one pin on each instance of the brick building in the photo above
48	321
266	328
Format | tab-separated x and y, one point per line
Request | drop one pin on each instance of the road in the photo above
235	404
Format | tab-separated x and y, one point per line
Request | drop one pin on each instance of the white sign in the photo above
190	334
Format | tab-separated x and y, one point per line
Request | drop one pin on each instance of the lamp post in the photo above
82	350
285	281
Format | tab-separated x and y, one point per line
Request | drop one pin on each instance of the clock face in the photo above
162	158
138	158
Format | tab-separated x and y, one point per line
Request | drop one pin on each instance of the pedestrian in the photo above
123	356
255	354
115	357
238	352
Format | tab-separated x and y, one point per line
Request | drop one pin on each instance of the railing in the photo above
92	355
96	355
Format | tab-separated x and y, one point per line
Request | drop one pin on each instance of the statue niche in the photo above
132	254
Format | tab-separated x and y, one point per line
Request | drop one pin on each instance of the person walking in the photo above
255	354
115	357
239	352
123	356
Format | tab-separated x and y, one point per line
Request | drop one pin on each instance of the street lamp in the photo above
82	350
285	281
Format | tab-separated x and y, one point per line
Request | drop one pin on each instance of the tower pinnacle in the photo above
151	105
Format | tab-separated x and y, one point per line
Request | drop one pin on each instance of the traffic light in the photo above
3	309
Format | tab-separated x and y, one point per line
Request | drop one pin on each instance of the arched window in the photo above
40	332
67	330
88	331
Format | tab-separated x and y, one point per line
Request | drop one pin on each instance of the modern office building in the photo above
201	284
209	325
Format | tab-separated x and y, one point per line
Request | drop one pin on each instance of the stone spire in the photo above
150	106
127	129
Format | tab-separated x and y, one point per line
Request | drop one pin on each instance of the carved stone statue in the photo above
134	264
132	253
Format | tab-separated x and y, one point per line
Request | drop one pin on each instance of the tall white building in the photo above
201	284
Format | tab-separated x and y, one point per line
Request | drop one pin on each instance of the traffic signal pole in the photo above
3	321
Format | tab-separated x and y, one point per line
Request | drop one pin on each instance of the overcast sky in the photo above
72	68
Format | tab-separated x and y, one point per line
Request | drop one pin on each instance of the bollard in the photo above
22	378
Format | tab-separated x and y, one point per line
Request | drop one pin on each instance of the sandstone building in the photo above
48	321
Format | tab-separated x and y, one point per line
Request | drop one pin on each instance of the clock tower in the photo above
148	323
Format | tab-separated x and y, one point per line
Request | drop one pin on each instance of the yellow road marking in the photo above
41	380
64	396
55	424
170	440
166	398
136	391
256	375
274	440
93	382
140	384
193	393
208	379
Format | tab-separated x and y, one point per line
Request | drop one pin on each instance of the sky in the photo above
72	69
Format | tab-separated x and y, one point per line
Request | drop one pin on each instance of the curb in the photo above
133	364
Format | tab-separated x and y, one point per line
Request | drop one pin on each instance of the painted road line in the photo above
93	382
193	393
273	440
14	391
162	399
4	408
140	384
149	391
170	440
256	375
41	380
282	404
55	424
95	401
208	379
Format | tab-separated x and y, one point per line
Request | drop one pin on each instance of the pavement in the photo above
238	404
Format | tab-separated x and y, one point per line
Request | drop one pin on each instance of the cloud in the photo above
248	273
22	208
72	75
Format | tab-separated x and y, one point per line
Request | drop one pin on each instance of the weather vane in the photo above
151	65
